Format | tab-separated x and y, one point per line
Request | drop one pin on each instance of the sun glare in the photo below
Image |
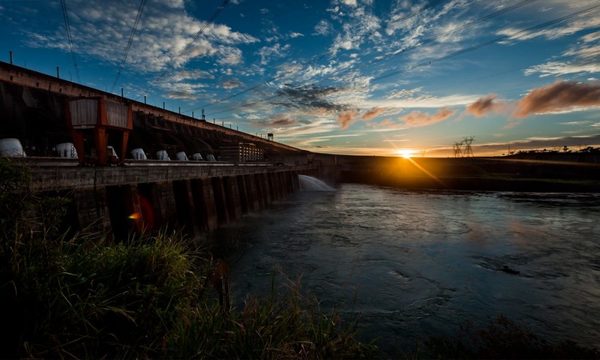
405	153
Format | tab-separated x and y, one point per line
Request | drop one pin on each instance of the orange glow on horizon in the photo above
405	153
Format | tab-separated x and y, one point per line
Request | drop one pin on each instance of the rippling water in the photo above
413	264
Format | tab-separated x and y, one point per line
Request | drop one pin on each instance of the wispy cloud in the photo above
168	37
345	118
323	28
373	113
266	53
486	105
558	97
418	118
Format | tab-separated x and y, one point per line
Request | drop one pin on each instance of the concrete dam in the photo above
112	157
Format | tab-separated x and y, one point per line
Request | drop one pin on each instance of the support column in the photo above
210	208
272	186
232	195
165	203
220	200
241	184
79	145
252	192
124	142
263	180
186	212
101	142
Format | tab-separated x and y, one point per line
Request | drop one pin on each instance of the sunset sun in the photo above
405	153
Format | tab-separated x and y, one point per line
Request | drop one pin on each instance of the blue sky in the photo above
342	76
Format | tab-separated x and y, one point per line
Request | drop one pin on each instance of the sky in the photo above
371	77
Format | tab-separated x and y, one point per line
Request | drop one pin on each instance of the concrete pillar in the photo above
243	193
164	201
209	205
252	192
184	204
220	200
201	205
232	196
296	181
262	189
263	180
92	209
290	177
274	184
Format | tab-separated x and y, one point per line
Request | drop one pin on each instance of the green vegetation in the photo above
80	296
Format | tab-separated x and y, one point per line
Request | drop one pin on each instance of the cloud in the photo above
358	26
345	118
583	21
558	68
424	101
323	28
373	113
350	3
268	52
418	119
303	97
231	84
560	96
279	120
183	85
168	37
485	105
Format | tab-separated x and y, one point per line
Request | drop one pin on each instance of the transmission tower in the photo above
458	149
468	151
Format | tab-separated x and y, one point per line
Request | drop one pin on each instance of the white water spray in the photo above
309	183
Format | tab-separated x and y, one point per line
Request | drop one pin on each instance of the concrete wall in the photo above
194	205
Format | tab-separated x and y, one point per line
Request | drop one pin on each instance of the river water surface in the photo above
416	264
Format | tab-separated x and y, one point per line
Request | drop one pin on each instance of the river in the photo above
415	264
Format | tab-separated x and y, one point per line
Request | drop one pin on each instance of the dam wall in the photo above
139	196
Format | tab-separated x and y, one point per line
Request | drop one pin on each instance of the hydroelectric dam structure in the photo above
127	165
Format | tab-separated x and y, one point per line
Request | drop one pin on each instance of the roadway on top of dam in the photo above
56	174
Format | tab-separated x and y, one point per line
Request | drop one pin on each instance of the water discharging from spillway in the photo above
309	183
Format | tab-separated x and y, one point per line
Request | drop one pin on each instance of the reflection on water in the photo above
416	264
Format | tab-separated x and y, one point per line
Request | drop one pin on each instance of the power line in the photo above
132	33
211	19
402	52
314	59
65	13
486	17
456	53
489	42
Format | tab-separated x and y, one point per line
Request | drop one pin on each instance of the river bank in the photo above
491	174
